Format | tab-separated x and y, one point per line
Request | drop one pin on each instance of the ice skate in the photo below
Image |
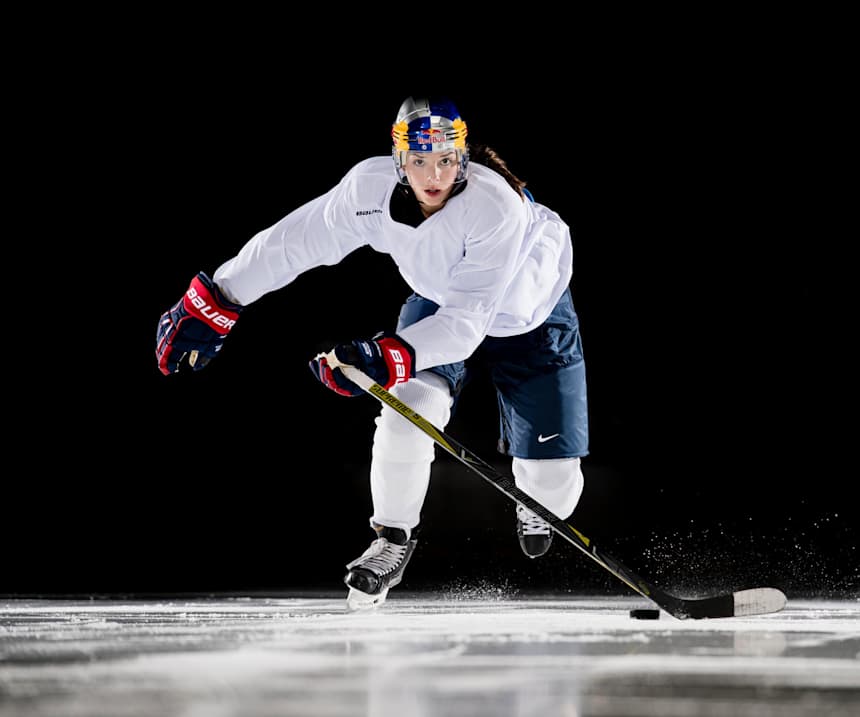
534	533
357	600
379	568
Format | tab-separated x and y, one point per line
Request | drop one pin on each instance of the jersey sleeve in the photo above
317	233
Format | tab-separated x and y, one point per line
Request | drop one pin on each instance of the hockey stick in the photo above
754	601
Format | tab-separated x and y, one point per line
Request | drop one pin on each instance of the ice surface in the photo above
421	655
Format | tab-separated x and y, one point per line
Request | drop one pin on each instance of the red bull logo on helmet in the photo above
430	136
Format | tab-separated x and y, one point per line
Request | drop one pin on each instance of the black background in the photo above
704	276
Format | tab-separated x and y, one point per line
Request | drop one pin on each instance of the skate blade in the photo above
357	600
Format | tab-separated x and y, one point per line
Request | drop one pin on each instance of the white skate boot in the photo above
534	533
379	568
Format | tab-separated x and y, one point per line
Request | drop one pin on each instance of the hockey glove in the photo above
386	358
195	327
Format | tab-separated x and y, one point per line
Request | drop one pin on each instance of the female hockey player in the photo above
490	272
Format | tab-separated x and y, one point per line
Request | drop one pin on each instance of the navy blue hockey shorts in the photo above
539	379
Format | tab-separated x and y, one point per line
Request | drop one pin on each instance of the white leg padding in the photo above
403	453
555	483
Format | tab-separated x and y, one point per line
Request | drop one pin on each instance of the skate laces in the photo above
381	557
532	523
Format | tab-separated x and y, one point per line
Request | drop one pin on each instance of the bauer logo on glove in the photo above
195	328
386	358
210	313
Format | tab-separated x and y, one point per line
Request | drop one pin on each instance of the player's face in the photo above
431	176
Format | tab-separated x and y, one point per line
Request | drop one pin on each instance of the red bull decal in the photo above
431	136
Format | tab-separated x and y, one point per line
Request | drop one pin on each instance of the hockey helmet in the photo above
428	125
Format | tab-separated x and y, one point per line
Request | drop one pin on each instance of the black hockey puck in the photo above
645	614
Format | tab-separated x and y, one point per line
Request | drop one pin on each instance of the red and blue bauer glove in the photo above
386	358
195	327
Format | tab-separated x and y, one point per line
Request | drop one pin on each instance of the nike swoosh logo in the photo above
543	439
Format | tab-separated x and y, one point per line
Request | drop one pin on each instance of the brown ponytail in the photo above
484	155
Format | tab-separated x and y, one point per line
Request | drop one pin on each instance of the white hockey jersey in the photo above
495	264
